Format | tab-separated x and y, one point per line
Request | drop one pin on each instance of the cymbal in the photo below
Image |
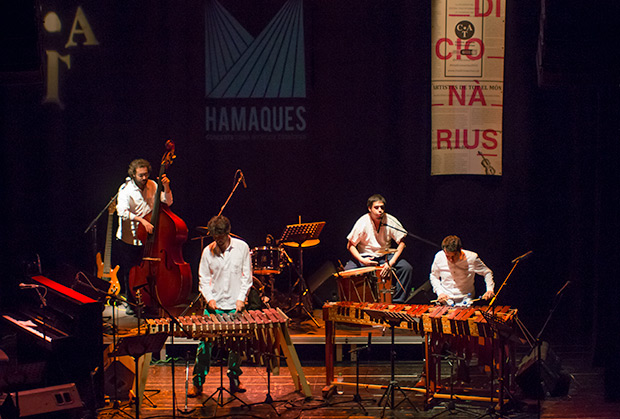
307	243
206	230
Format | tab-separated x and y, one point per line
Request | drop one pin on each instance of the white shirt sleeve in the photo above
205	279
246	275
435	275
481	269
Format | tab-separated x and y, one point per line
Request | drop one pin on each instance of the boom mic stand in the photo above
389	391
93	224
556	303
180	327
387	317
102	297
267	358
451	407
497	327
186	410
381	223
357	398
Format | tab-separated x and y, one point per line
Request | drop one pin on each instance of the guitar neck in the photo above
108	246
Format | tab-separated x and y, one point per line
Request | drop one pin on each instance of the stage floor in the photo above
585	398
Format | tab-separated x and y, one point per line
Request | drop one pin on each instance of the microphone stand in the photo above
105	295
233	191
556	303
491	310
381	223
174	321
93	223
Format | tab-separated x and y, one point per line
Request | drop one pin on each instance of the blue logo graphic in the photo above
270	66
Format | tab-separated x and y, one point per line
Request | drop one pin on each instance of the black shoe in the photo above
195	391
236	386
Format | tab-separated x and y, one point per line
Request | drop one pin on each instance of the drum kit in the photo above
277	280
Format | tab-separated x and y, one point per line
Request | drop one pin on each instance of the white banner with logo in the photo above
467	81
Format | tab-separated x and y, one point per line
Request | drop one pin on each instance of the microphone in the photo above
523	256
39	263
380	223
562	289
127	180
27	286
243	179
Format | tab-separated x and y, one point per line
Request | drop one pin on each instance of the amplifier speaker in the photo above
422	295
118	378
44	402
322	285
554	381
120	374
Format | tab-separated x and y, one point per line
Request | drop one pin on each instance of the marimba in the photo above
481	330
253	332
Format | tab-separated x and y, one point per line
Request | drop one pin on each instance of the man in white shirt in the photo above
225	277
369	244
134	202
453	272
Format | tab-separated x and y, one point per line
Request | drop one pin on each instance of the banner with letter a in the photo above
255	70
467	81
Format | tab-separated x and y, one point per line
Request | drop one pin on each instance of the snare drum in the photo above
266	260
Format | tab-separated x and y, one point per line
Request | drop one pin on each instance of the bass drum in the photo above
266	260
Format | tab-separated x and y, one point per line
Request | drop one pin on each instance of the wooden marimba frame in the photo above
364	285
467	329
245	332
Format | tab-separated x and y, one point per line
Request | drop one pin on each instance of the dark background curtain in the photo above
369	132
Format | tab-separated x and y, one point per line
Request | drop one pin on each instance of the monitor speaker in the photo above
47	401
322	284
554	381
421	295
118	375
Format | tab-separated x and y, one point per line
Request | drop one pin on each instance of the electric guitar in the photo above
103	268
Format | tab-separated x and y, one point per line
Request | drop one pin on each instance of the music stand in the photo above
300	236
135	347
392	320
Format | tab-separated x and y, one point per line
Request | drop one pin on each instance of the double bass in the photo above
163	277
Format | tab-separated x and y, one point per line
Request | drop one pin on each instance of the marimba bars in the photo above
480	330
253	332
